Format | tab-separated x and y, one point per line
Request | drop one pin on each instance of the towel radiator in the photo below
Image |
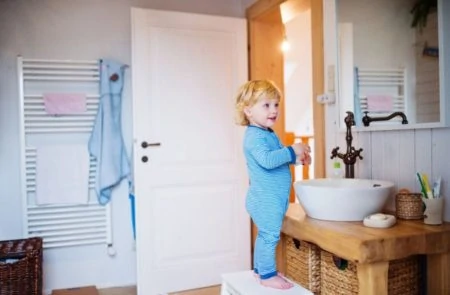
59	225
386	82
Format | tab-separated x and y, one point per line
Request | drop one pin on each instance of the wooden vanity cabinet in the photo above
371	249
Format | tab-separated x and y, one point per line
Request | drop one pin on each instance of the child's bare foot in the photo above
256	276
277	282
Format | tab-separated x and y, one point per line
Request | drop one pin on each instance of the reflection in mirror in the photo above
387	62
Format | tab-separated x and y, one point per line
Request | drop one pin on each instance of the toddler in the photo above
268	163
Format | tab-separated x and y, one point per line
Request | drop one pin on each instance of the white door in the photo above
190	193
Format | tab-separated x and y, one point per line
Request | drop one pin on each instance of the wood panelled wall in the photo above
398	155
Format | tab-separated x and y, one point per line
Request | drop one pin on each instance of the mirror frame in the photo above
444	74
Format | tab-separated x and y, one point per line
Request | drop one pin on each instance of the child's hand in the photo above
306	159
302	151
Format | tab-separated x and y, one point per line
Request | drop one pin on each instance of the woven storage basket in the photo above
21	267
303	264
409	206
339	277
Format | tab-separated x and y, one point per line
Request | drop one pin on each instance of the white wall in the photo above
83	29
390	155
427	73
382	33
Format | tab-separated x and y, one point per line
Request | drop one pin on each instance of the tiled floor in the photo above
132	291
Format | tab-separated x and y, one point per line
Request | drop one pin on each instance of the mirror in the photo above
391	62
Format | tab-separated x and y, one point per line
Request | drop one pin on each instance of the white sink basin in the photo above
342	199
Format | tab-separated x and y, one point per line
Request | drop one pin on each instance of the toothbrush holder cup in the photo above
433	210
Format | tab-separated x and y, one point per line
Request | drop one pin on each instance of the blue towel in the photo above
106	141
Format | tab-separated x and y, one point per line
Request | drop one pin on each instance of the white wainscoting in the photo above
398	155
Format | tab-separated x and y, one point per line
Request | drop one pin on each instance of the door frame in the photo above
265	34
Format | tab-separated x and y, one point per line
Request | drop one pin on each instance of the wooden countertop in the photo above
355	242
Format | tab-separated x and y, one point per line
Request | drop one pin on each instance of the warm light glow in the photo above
285	45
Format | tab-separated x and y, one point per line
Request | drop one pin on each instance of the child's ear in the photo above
247	111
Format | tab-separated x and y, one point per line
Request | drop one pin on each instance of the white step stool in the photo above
244	283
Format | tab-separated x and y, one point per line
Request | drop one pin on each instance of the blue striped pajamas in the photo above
268	195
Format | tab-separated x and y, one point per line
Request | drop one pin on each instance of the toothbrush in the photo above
427	186
437	187
422	187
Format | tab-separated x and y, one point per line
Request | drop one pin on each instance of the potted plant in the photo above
420	11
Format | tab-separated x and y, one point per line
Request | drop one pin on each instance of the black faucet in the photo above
350	156
366	119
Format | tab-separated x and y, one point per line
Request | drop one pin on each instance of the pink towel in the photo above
64	103
380	103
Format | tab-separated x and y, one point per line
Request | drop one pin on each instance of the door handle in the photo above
145	144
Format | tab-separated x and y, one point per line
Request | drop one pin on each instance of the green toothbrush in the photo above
422	187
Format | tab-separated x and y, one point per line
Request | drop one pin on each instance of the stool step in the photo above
244	283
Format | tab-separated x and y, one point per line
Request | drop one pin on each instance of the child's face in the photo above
264	113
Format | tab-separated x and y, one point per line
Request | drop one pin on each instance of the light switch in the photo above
326	98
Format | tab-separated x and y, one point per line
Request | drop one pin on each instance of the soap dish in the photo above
380	220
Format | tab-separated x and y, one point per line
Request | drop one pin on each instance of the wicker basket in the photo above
303	264
21	267
409	206
339	277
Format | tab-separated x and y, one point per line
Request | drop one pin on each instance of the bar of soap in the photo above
380	220
378	216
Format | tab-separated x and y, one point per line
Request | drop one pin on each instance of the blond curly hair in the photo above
250	93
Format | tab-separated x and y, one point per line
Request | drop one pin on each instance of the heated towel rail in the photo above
59	225
386	82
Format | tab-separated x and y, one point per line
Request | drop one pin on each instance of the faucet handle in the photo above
357	153
334	152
